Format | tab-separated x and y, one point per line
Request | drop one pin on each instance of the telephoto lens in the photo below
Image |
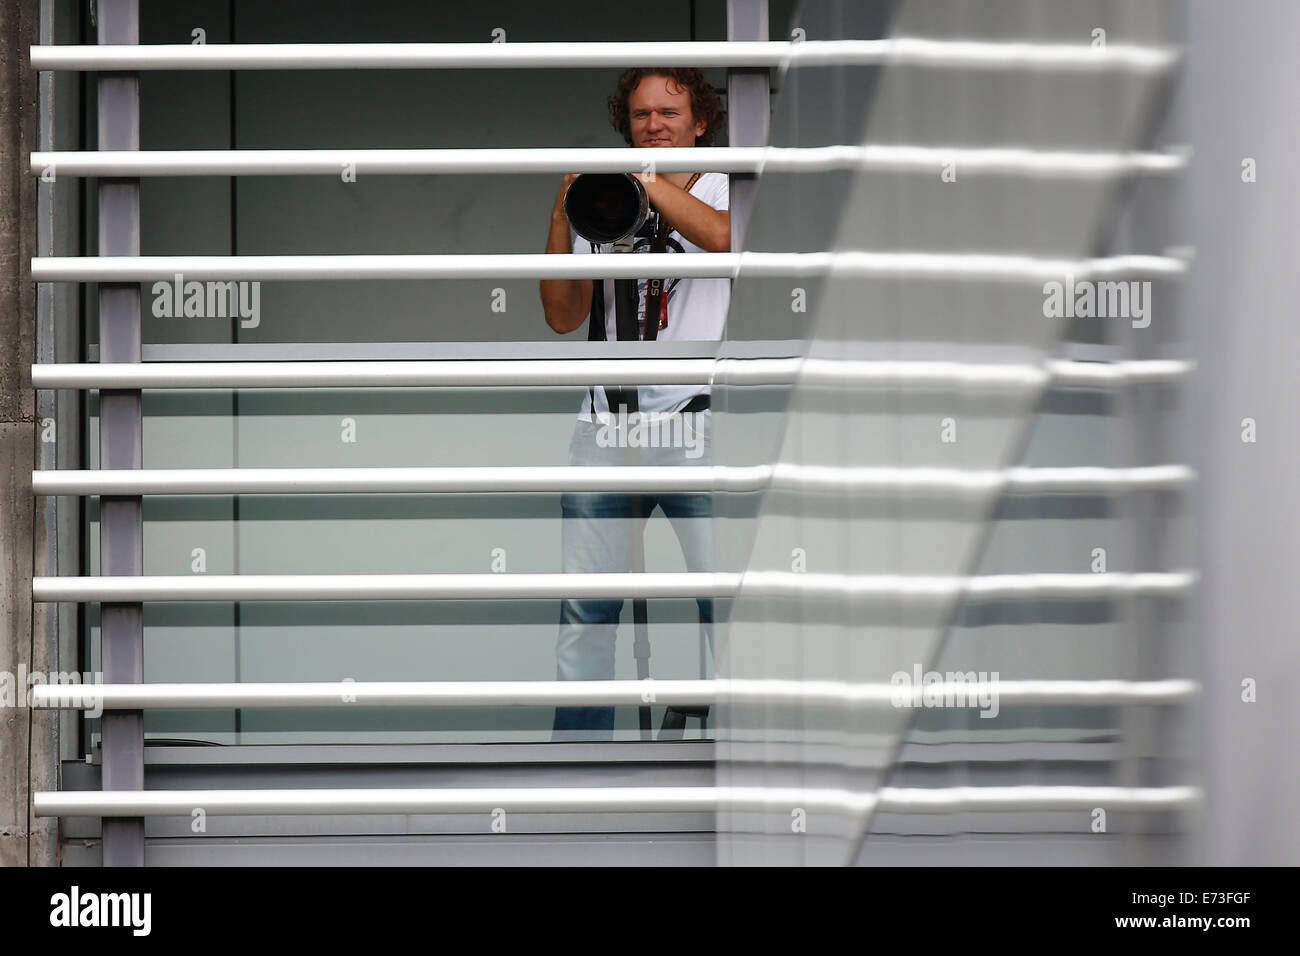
606	207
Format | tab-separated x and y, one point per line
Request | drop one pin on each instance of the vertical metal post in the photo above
748	120
121	445
748	109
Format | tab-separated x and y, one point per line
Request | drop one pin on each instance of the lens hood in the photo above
606	207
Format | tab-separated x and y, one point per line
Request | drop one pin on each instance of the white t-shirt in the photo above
691	310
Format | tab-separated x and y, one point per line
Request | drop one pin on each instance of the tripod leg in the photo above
641	651
640	617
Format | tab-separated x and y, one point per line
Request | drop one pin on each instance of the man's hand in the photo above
558	211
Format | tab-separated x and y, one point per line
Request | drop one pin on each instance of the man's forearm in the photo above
708	228
561	298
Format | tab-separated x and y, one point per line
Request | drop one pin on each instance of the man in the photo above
652	108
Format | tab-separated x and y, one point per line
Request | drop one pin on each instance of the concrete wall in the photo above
1240	106
28	748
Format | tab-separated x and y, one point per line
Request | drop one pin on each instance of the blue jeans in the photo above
596	532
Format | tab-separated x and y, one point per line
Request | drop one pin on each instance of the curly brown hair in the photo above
704	100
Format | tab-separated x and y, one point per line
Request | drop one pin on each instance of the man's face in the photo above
659	112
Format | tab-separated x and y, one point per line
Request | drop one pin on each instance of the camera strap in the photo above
625	313
625	328
655	287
